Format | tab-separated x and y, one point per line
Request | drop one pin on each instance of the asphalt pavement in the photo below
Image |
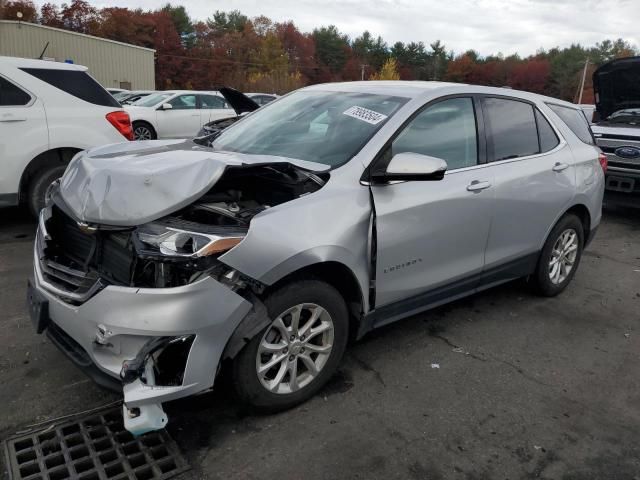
501	385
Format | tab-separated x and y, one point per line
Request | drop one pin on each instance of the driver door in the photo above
182	120
431	235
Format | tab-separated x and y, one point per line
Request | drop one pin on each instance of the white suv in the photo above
49	112
176	113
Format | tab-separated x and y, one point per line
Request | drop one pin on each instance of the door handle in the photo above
7	117
478	185
558	167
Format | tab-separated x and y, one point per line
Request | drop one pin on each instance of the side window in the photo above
575	120
209	102
183	102
548	138
445	130
11	95
511	129
77	83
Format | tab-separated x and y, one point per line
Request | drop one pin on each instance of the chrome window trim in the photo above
558	147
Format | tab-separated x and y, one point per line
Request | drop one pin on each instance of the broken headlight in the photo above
175	242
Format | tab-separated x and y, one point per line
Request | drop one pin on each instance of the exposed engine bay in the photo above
179	248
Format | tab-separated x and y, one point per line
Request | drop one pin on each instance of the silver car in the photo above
332	211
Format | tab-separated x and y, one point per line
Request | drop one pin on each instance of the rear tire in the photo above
560	256
38	187
302	371
143	131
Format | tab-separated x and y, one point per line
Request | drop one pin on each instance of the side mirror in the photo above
412	166
166	106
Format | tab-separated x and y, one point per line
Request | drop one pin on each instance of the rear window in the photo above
576	121
511	126
548	138
11	95
76	83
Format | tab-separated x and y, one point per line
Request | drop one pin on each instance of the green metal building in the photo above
113	64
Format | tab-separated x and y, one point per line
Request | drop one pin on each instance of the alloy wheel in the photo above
563	256
142	133
295	348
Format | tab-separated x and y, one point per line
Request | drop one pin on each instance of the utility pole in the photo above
362	67
584	77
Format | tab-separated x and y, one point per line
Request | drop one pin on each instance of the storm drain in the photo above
96	447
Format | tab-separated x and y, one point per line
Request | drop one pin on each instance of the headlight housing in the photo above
177	242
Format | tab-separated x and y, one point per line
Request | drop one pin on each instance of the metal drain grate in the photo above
96	447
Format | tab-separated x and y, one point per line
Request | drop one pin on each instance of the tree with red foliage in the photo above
80	16
531	75
124	25
172	63
299	48
460	69
50	15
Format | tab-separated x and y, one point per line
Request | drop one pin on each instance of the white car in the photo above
50	111
176	113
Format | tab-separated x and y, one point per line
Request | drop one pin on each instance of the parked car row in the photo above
183	113
50	111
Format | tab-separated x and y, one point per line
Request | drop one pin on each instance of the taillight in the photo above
122	122
603	161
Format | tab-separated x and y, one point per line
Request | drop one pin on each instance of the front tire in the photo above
560	256
38	187
294	357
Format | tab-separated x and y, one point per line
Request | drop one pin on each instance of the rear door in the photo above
433	234
23	134
181	121
534	176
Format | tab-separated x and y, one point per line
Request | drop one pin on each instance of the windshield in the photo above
316	126
121	95
152	100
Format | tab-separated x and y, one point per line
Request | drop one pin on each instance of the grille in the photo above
609	144
79	264
96	447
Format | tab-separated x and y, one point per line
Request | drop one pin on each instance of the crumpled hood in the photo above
129	184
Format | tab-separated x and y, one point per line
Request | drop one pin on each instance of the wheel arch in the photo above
147	124
581	211
340	277
48	159
336	274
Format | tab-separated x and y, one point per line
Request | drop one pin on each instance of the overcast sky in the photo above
488	26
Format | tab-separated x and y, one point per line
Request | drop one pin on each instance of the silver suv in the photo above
325	214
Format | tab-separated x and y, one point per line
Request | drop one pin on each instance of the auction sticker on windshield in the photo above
365	115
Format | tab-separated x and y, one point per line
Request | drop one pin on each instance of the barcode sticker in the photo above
365	115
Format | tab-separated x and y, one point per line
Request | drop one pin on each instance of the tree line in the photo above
258	54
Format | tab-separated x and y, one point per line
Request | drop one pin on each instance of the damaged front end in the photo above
152	304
